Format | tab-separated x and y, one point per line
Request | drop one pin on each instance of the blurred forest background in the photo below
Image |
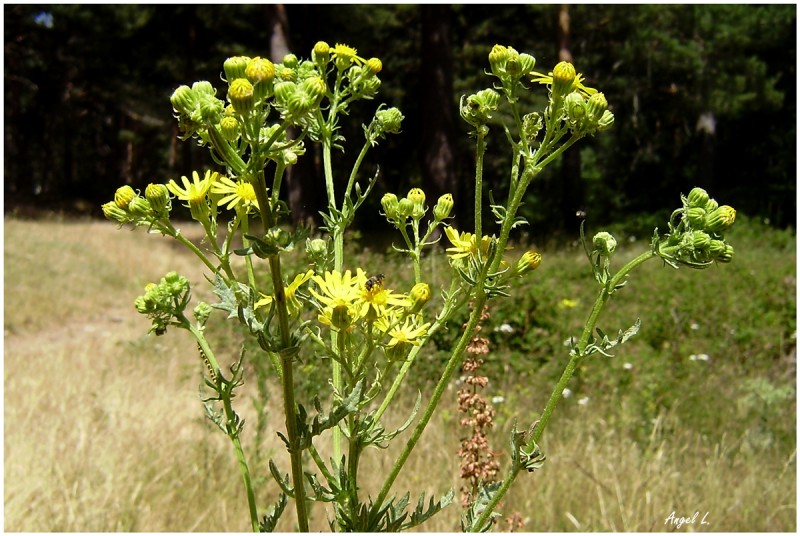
703	95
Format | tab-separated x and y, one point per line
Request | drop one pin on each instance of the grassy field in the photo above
104	431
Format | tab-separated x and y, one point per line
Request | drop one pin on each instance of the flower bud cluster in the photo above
397	211
197	106
477	109
587	115
129	207
698	237
163	301
386	121
509	65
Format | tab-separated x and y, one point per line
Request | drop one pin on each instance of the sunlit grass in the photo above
103	430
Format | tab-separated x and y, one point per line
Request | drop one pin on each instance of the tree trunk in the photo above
571	193
436	151
302	201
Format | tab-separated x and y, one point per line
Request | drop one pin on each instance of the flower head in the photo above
409	331
337	298
235	194
576	84
293	304
375	300
465	244
344	56
193	192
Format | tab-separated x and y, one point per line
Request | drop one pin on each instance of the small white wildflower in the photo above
583	401
627	366
567	392
569	341
698	357
504	328
694	326
498	400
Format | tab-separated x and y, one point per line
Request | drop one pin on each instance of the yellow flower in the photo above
193	192
292	303
465	244
566	303
235	193
337	297
346	55
577	84
376	298
409	332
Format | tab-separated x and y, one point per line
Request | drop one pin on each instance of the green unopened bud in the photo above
606	122
526	64
315	87
575	106
700	240
390	206
316	247
235	67
260	72
139	206
443	207
201	312
727	255
321	52
596	106
183	100
373	65
210	110
114	213
497	59
158	196
390	120
563	77
719	220
417	197
241	95
476	109
284	92
696	217
229	127
716	247
604	243
300	103
697	198
420	295
711	205
204	88
123	196
290	61
405	208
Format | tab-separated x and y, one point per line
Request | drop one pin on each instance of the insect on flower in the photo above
375	280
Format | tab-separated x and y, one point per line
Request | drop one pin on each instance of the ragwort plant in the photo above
370	333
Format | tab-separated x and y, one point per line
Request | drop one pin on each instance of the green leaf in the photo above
267	524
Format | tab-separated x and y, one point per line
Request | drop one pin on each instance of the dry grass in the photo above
104	432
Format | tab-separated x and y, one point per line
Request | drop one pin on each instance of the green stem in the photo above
286	356
444	316
479	152
441	386
577	356
237	447
351	181
230	415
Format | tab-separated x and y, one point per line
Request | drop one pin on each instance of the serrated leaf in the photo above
420	514
267	524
